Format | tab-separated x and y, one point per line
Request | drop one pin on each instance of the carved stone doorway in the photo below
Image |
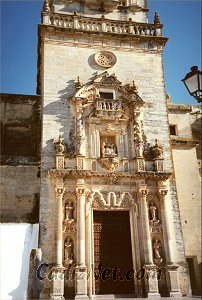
112	253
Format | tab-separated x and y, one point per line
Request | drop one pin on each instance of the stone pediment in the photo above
106	79
89	92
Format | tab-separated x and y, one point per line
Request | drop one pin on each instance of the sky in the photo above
19	19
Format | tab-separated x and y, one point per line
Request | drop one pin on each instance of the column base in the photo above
57	297
81	282
81	297
58	283
154	296
152	281
173	278
175	294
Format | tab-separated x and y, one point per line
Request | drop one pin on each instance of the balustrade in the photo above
103	25
108	105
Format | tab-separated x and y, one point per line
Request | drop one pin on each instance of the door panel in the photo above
112	253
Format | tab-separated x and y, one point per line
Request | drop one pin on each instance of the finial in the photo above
103	17
130	20
75	13
78	83
134	87
157	19
46	6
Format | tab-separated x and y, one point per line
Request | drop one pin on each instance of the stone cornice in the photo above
74	174
179	107
182	141
124	37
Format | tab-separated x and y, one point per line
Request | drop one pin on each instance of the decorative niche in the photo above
109	151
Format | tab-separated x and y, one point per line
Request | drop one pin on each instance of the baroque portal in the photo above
106	181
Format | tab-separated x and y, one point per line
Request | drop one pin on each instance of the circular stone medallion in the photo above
105	59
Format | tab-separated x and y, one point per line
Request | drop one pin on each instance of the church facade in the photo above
107	203
109	220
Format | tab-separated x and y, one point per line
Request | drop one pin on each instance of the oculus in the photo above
105	59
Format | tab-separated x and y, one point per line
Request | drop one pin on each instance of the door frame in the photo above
133	214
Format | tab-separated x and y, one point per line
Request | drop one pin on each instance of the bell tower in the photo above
107	192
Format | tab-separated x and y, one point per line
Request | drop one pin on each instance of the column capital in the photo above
80	191
143	190
162	192
59	191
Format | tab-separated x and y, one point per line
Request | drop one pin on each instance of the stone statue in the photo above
157	249
69	250
59	145
139	149
153	212
108	150
69	211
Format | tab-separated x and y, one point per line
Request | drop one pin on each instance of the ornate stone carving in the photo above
80	163
80	135
98	201
153	212
109	163
105	59
157	251
126	201
112	178
69	251
69	211
59	145
139	137
60	162
71	147
108	150
157	150
94	166
69	227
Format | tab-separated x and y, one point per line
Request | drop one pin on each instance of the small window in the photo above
173	130
104	95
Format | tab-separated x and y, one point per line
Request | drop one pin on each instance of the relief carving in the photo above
69	251
59	145
154	222
109	150
109	163
97	201
157	251
69	211
126	201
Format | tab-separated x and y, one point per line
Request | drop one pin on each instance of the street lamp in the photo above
193	83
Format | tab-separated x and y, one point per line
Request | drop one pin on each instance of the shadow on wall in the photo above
60	110
20	261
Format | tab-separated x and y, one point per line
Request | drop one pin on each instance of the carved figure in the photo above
69	250
108	150
157	249
139	149
69	209
59	145
112	199
153	212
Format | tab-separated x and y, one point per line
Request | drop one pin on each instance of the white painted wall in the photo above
16	243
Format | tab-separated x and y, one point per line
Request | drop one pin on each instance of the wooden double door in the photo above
112	253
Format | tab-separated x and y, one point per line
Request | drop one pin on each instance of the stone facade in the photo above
105	147
106	154
186	151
